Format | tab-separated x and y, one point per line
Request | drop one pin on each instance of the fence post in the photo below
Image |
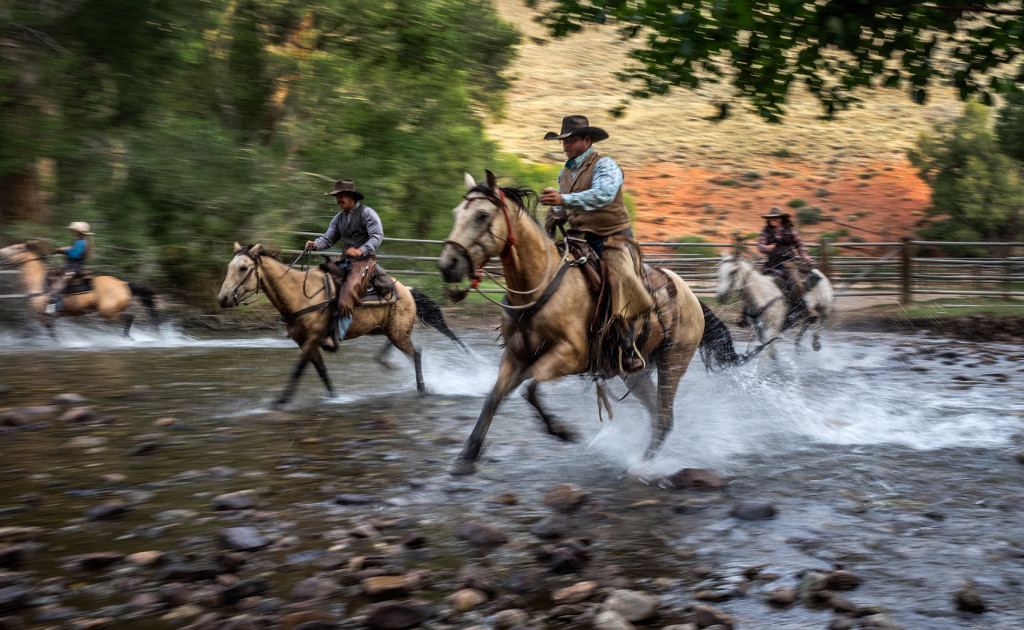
906	272
824	264
737	244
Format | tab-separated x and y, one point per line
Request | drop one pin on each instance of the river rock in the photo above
14	598
242	539
511	618
69	398
554	527
753	510
579	592
146	558
20	534
526	580
354	499
782	597
565	497
240	500
481	533
398	615
880	621
105	511
77	415
466	599
392	584
811	584
840	580
477	577
14	418
632	605
611	620
13	555
564	557
243	589
842	623
710	616
693	479
314	588
968	600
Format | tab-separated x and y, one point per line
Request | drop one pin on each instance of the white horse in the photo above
765	307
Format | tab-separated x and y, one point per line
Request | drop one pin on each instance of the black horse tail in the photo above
430	314
145	295
716	347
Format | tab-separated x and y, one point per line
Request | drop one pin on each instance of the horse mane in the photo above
523	197
266	252
38	248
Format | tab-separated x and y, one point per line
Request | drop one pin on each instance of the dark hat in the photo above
346	186
577	126
776	212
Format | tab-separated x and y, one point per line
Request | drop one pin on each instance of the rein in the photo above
288	318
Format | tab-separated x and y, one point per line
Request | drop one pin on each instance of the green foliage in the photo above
179	126
976	190
796	203
1009	127
782	153
809	216
833	47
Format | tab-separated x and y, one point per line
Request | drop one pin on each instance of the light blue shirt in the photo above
605	185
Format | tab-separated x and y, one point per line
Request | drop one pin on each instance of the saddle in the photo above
380	291
80	282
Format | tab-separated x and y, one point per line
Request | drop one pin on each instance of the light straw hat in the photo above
80	226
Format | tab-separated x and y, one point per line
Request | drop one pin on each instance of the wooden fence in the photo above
900	270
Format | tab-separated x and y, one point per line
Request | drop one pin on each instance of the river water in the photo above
891	456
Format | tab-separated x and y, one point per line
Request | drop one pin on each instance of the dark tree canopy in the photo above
834	47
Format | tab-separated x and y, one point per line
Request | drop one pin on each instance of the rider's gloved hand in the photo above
311	245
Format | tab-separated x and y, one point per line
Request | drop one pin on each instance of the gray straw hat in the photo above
577	126
346	186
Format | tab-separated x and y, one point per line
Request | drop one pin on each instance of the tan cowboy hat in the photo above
346	186
577	126
776	213
80	226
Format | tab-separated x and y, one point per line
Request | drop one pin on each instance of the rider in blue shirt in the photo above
76	253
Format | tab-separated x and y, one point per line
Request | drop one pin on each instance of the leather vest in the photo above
784	244
603	221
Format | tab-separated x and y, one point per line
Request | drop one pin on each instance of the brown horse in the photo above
549	310
109	296
306	300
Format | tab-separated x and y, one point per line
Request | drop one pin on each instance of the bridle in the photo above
252	270
510	242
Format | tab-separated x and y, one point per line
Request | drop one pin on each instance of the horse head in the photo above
242	279
482	229
728	277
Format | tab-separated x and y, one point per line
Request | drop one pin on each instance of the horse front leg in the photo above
321	369
561	360
417	362
293	382
671	367
510	376
554	427
128	319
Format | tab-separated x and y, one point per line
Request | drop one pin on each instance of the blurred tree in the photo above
834	47
1009	127
976	191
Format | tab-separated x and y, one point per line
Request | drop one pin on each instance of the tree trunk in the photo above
20	197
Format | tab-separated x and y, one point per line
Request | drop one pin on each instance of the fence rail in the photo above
893	269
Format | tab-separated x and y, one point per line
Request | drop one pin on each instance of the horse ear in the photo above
470	184
238	247
492	181
256	249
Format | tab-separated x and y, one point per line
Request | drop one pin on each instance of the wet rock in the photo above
840	604
506	498
364	530
21	534
13	555
564	557
476	576
840	580
512	618
241	500
143	448
243	589
879	621
526	581
14	418
146	558
611	620
842	623
242	539
392	584
77	415
579	592
14	598
554	527
631	605
681	626
314	588
481	533
354	499
710	616
106	511
693	479
98	560
398	615
565	497
466	599
811	584
968	600
782	597
11	623
69	399
753	510
413	540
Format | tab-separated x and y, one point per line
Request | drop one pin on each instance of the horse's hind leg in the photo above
509	378
405	345
293	382
382	355
554	427
321	370
128	319
671	367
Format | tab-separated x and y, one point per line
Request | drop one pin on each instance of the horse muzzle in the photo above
453	264
227	299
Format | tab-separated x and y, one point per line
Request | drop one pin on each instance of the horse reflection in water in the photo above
306	301
554	340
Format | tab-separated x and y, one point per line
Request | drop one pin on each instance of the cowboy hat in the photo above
776	212
80	226
346	186
577	126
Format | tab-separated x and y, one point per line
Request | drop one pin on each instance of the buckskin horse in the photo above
764	305
306	302
549	310
108	297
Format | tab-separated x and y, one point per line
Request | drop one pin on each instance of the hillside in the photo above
692	176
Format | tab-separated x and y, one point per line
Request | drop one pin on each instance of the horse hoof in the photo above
463	467
816	345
